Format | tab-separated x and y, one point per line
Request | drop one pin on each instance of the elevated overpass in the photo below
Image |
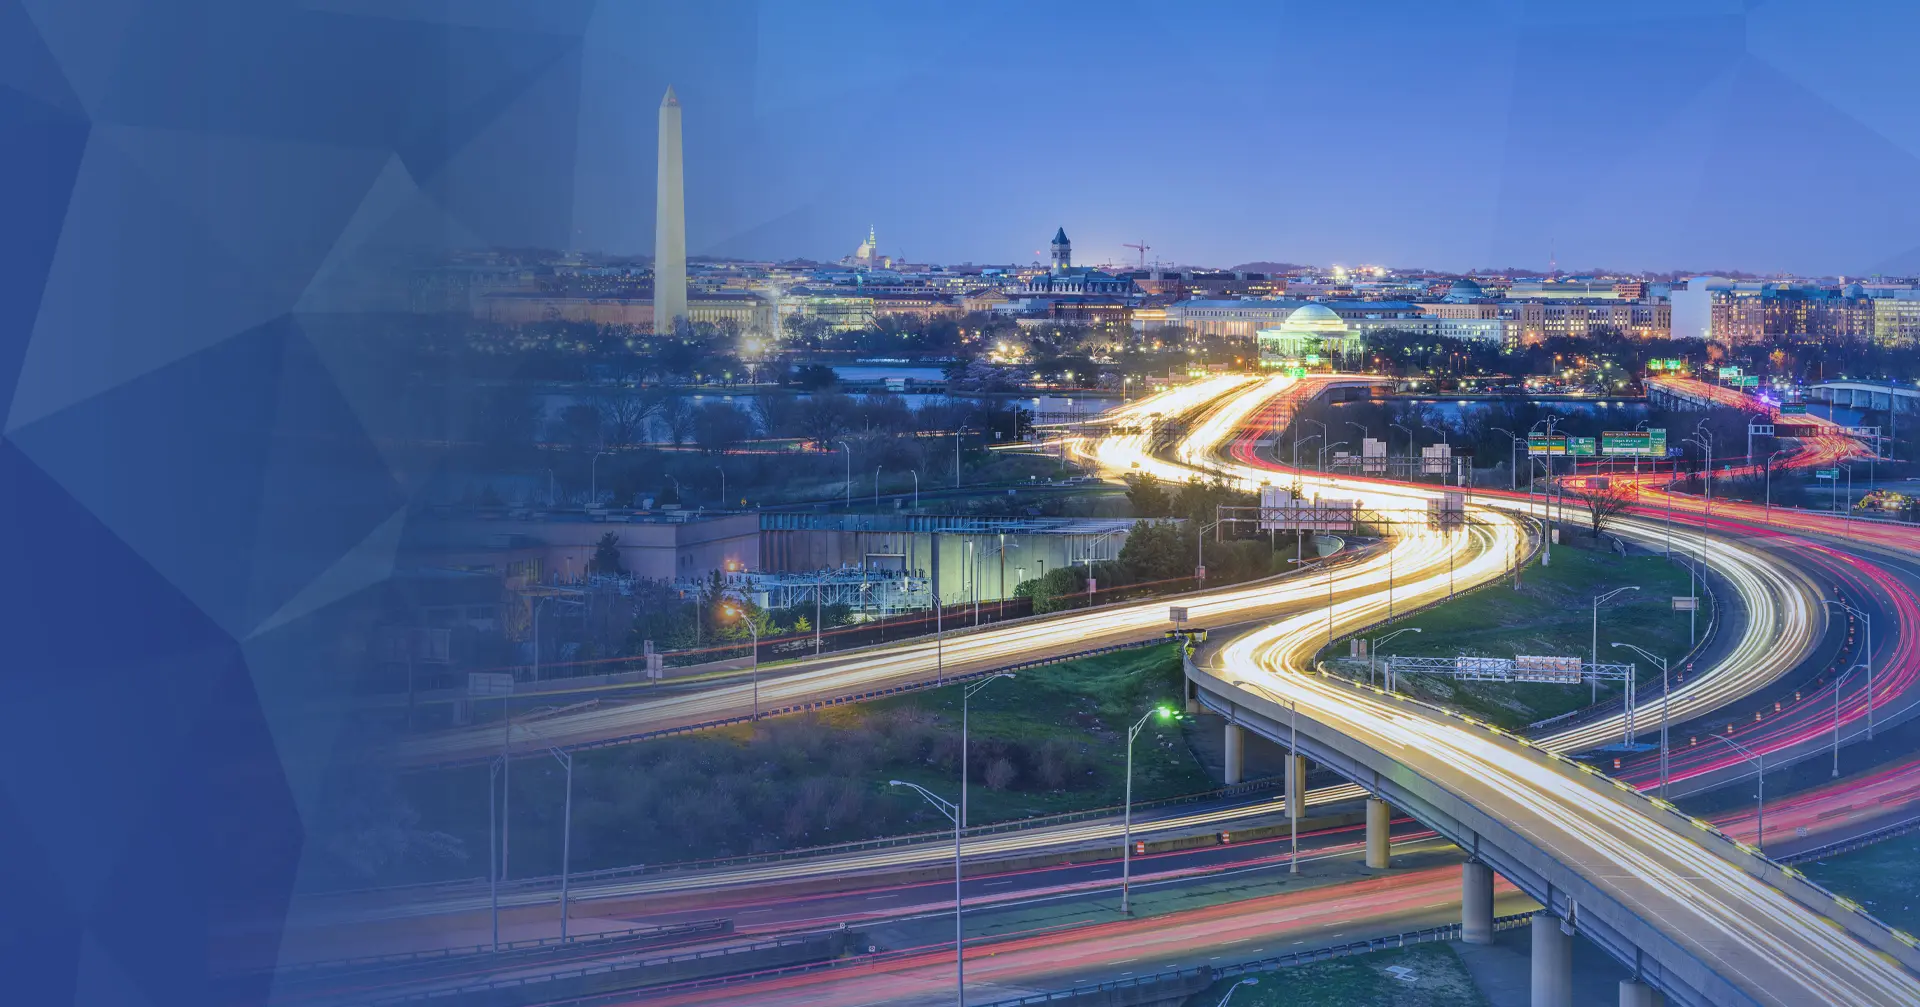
1879	396
1696	915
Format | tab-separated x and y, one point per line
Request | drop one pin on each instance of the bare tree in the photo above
1605	500
624	414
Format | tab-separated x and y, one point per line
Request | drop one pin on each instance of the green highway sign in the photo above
1747	381
1729	372
1826	473
1794	409
1582	447
1539	444
1650	443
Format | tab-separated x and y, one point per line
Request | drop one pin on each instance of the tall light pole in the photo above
1365	436
740	614
916	489
722	469
1866	621
1769	467
1296	453
593	474
565	758
876	486
1760	773
849	451
1704	438
1513	455
1664	689
966	694
1244	982
1836	715
952	811
1598	600
1126	828
1547	557
1379	642
1409	432
1324	448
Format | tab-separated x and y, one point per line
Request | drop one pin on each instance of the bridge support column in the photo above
1236	754
1379	849
1296	785
1552	963
1476	903
1193	697
1639	994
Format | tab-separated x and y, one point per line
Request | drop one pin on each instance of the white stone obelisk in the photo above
669	224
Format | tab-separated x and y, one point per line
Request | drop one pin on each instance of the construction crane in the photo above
1142	247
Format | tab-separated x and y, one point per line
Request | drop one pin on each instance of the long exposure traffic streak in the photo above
1777	950
1754	936
1783	620
1794	728
1783	608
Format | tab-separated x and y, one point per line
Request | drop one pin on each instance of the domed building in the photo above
1311	330
1463	291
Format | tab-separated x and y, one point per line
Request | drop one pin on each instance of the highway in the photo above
1772	948
1673	873
1780	604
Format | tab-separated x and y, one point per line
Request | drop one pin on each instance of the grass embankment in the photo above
1551	614
1880	877
1051	740
1435	978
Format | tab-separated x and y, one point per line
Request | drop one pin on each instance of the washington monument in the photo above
669	224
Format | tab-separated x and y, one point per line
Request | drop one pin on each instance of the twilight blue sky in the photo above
1650	134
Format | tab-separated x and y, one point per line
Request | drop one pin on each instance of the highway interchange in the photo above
1779	593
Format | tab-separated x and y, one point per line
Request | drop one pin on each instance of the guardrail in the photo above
1446	932
818	704
604	970
330	968
1861	841
1849	915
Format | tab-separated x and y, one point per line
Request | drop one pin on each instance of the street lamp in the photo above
1513	462
1324	448
1244	982
1662	662
1704	438
593	473
876	486
952	811
1760	773
495	870
723	483
1836	715
1126	829
736	612
916	490
1374	648
1296	453
1366	434
849	451
1409	432
1769	467
965	695
1598	600
1867	624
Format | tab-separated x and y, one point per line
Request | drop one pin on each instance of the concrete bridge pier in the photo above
1552	963
1379	844
1638	994
1296	785
1236	759
1476	903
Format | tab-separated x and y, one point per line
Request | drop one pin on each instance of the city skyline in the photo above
1660	140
